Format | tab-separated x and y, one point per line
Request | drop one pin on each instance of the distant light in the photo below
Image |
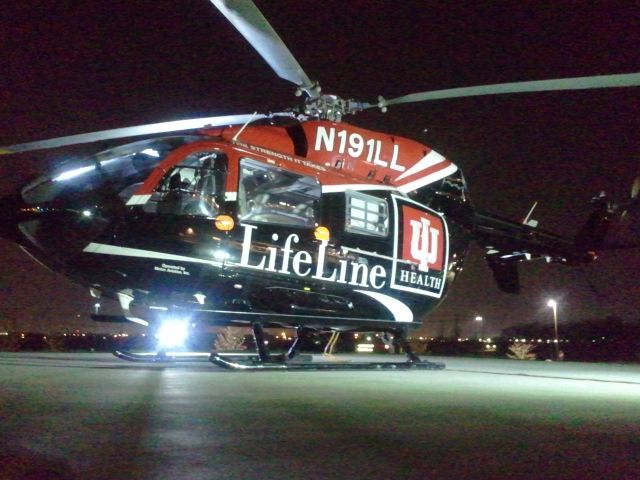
86	213
364	347
479	318
552	303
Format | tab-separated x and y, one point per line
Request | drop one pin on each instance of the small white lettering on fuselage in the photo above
175	269
420	279
282	156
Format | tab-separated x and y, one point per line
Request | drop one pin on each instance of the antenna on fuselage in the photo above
235	137
527	220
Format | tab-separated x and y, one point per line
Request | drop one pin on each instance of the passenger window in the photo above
194	187
366	214
268	194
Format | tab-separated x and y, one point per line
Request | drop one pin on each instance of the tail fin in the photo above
592	234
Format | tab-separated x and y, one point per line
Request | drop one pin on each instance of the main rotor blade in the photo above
576	83
254	27
150	129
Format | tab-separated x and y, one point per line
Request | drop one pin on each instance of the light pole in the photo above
554	305
481	320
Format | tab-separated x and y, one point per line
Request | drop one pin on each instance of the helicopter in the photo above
294	219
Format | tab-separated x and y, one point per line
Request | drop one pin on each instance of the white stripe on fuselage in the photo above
105	249
429	160
434	177
401	313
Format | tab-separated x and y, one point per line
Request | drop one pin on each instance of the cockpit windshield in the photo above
112	172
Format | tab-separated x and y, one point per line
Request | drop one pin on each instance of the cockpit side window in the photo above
194	187
267	194
366	214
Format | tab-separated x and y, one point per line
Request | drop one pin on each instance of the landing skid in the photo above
233	362
290	361
293	361
162	357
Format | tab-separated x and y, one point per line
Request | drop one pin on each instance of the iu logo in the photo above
423	239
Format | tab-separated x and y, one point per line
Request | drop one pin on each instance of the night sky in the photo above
76	66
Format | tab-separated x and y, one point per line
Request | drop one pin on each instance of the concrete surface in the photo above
77	416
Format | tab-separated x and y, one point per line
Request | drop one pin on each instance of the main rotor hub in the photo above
330	107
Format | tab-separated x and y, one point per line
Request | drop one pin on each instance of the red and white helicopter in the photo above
294	219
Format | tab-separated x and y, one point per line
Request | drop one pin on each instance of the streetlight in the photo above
480	319
554	305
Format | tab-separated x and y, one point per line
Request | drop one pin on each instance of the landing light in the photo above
172	333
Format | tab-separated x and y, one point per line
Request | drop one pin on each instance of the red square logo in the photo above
422	239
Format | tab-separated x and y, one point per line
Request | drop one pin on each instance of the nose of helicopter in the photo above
11	207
